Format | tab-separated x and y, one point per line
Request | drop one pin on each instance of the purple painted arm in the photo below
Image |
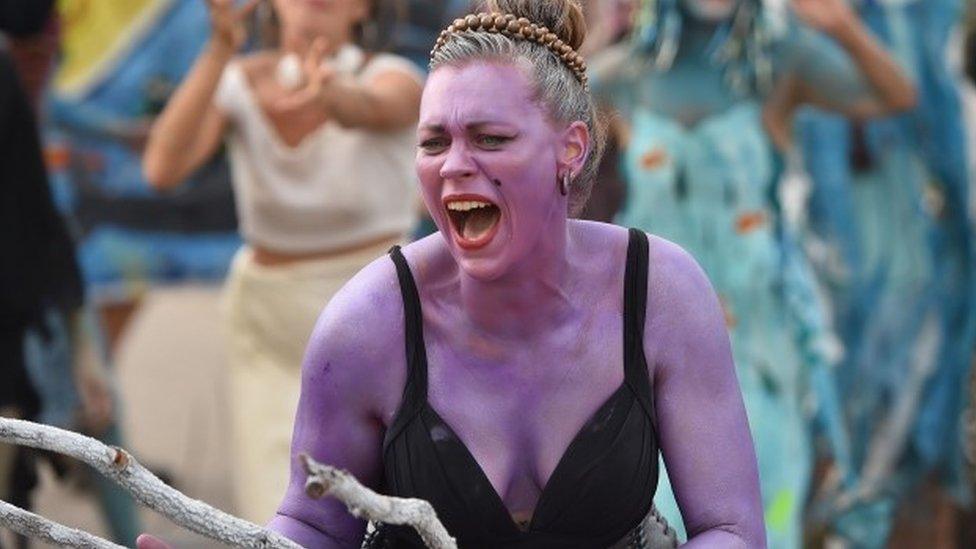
355	370
354	363
701	420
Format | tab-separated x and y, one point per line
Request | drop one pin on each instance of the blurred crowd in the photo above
820	170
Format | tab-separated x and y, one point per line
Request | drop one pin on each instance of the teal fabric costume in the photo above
711	197
701	171
889	210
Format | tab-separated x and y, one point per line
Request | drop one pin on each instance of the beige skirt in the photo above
270	313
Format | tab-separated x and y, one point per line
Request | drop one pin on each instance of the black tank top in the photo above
602	487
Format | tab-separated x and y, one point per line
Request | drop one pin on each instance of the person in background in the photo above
889	221
707	90
319	132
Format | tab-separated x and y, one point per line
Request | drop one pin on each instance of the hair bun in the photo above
562	17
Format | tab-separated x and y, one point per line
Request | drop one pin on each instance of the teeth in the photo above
466	206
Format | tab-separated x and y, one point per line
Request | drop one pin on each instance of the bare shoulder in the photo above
682	308
681	305
673	271
431	263
673	274
357	344
358	341
604	243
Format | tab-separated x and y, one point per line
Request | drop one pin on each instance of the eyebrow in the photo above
440	128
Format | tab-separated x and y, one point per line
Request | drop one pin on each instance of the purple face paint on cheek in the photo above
485	127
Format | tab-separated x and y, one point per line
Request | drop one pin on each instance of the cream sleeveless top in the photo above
338	188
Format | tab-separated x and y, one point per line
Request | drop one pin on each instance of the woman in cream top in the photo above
320	137
337	188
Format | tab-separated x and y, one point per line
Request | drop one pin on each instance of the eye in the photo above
434	145
488	141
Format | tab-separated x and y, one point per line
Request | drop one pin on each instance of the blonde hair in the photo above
556	79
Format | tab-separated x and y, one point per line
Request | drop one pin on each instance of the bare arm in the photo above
868	83
389	100
352	377
701	419
189	130
893	91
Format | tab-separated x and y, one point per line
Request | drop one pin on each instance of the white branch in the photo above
36	526
121	467
364	503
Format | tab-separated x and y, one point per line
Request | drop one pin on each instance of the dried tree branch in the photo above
121	467
28	524
118	465
364	503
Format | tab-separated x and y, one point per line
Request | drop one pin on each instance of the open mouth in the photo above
475	221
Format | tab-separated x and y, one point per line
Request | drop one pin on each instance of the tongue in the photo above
479	222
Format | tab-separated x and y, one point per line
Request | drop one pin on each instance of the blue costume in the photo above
129	234
889	207
701	171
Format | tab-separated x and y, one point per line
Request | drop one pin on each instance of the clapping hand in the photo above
229	23
316	79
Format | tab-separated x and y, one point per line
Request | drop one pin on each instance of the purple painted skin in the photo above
524	332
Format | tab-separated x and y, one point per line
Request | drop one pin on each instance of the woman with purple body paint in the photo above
518	395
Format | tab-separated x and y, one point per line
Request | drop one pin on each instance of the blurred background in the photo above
113	296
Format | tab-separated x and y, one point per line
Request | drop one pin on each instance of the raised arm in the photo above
850	73
387	100
352	379
189	130
701	419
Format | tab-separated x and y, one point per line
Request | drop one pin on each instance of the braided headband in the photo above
517	27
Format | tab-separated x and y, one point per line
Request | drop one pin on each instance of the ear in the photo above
574	147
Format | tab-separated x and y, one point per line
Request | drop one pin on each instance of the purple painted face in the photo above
488	161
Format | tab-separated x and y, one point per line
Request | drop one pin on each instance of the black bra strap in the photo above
635	311
415	392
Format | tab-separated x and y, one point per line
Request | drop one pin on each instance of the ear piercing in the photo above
564	183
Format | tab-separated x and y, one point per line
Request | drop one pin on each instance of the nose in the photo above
458	164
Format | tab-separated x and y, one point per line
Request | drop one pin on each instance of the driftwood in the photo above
364	503
35	526
146	488
194	515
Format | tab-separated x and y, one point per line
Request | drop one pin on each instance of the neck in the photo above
696	36
530	299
